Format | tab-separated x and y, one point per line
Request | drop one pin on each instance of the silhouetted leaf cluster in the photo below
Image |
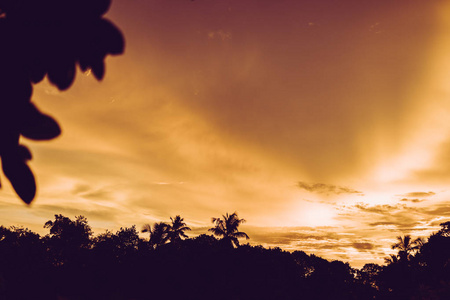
39	38
161	232
69	263
227	228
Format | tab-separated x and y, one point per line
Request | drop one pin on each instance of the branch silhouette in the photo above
45	38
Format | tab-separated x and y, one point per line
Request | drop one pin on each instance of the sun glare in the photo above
317	215
428	121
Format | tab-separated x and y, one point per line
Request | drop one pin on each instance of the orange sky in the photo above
323	123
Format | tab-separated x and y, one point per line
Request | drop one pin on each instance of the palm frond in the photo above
217	231
241	234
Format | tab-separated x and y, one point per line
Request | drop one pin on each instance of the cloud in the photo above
323	188
400	216
291	236
416	197
412	200
359	246
418	194
220	34
97	193
396	218
364	246
382	223
379	209
441	210
437	222
328	242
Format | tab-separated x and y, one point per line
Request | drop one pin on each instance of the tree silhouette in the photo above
123	243
68	240
392	259
368	274
39	38
227	228
406	246
158	234
435	254
23	262
175	230
445	230
69	264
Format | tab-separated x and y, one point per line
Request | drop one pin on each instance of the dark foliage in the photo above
425	275
227	228
44	38
69	263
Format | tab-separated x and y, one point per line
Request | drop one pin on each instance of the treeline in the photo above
70	263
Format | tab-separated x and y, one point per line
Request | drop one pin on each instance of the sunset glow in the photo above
321	122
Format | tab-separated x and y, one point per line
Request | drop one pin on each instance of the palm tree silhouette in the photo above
392	259
406	246
227	228
158	234
175	231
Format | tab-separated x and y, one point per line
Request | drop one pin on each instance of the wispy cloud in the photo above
396	218
290	236
329	242
416	197
441	210
323	188
379	209
95	193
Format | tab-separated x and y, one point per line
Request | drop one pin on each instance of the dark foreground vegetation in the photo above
69	263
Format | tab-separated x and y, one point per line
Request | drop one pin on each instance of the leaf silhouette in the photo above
38	126
21	178
38	38
62	74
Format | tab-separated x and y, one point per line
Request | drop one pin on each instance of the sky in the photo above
323	123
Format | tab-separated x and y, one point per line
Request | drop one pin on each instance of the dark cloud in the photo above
379	209
363	246
418	194
441	210
321	201
290	236
399	223
412	200
341	246
382	224
323	188
399	217
283	236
